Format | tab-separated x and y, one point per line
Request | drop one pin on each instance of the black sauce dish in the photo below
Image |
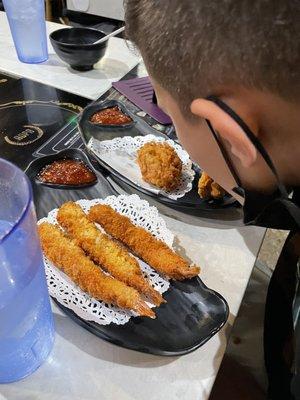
75	46
36	166
101	132
93	108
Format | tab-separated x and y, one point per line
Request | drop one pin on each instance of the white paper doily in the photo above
120	153
67	293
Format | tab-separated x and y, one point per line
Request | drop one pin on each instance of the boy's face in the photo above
198	141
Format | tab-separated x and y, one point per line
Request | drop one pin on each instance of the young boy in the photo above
227	73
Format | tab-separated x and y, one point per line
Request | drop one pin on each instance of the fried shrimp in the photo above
160	165
111	256
153	251
71	259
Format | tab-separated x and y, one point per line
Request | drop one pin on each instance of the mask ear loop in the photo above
253	140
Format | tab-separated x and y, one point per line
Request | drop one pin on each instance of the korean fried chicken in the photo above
208	188
160	165
71	259
153	251
103	250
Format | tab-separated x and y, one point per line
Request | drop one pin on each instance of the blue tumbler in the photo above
26	323
27	24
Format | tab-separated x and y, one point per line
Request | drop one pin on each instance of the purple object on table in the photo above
140	92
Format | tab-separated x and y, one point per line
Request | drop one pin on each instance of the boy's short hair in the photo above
193	47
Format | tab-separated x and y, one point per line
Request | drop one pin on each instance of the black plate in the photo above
193	313
89	130
37	166
224	214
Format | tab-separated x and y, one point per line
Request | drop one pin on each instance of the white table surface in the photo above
84	367
118	60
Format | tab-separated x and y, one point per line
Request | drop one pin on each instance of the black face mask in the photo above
278	210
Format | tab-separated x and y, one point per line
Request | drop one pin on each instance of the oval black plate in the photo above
89	130
192	315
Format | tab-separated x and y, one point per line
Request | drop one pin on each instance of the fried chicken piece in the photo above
204	186
103	250
160	165
208	188
153	251
71	259
217	191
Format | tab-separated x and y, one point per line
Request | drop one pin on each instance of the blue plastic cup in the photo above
26	323
27	24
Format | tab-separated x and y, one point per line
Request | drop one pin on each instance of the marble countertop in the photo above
84	367
118	60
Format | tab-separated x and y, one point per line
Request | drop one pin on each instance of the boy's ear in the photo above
228	129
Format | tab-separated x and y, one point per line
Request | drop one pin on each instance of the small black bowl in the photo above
93	108
75	46
36	166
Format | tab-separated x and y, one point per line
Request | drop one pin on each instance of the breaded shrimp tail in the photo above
153	251
111	256
71	259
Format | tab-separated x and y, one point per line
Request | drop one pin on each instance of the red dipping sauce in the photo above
110	116
67	172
